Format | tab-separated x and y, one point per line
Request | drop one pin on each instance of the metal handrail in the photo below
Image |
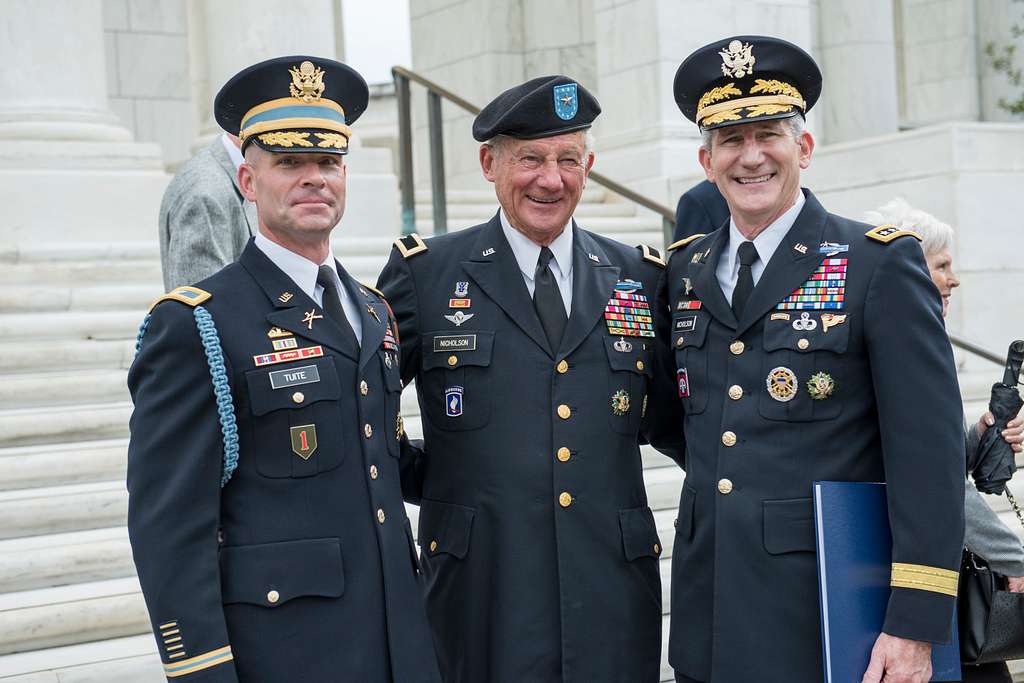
435	92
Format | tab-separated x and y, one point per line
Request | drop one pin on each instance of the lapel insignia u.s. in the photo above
285	297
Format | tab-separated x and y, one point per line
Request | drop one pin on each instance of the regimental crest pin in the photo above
303	440
620	402
567	102
461	289
453	401
459	317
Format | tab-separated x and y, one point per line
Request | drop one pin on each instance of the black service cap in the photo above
539	108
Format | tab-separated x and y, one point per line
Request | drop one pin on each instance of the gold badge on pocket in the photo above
303	440
620	402
821	385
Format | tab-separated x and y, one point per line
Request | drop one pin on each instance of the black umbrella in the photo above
992	465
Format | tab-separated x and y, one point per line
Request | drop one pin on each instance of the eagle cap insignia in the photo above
737	60
307	82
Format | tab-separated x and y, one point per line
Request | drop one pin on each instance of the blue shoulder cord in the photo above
221	390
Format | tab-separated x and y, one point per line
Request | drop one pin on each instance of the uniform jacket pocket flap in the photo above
628	354
271	574
467	348
445	528
687	503
639	533
274	387
788	526
691	327
797	333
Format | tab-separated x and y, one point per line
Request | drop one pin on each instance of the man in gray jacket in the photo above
204	220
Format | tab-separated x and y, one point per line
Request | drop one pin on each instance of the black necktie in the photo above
548	300
332	302
745	282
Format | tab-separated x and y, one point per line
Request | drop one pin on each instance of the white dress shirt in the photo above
303	273
765	243
527	252
233	152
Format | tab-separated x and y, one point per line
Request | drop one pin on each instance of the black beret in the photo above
745	79
540	108
293	104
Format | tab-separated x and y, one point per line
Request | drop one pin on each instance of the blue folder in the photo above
851	522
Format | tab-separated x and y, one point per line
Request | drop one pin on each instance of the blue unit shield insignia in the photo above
566	101
453	401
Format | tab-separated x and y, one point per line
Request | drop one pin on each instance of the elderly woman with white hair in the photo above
984	534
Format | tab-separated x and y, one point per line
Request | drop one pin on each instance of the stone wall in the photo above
147	73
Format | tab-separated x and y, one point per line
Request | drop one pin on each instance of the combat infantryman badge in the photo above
782	384
620	402
820	386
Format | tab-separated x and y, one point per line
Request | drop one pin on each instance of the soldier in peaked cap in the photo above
265	510
530	342
787	347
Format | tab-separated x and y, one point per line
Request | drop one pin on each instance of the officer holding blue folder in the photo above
803	346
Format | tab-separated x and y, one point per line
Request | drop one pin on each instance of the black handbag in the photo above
991	619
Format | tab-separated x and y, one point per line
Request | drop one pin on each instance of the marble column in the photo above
228	35
857	55
69	170
53	73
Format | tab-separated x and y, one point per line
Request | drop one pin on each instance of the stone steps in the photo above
60	354
58	509
61	388
48	424
48	298
57	464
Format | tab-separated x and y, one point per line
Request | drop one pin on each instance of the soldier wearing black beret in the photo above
265	510
530	341
802	346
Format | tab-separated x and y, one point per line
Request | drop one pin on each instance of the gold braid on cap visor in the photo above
289	113
780	97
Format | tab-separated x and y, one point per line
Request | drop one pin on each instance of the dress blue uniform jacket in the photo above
299	568
744	581
538	546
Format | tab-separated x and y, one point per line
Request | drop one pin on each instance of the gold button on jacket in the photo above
735	392
564	411
729	438
562	367
564	499
724	486
737	347
273	597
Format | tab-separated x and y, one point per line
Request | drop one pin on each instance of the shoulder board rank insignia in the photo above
193	296
410	245
887	233
679	244
651	254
